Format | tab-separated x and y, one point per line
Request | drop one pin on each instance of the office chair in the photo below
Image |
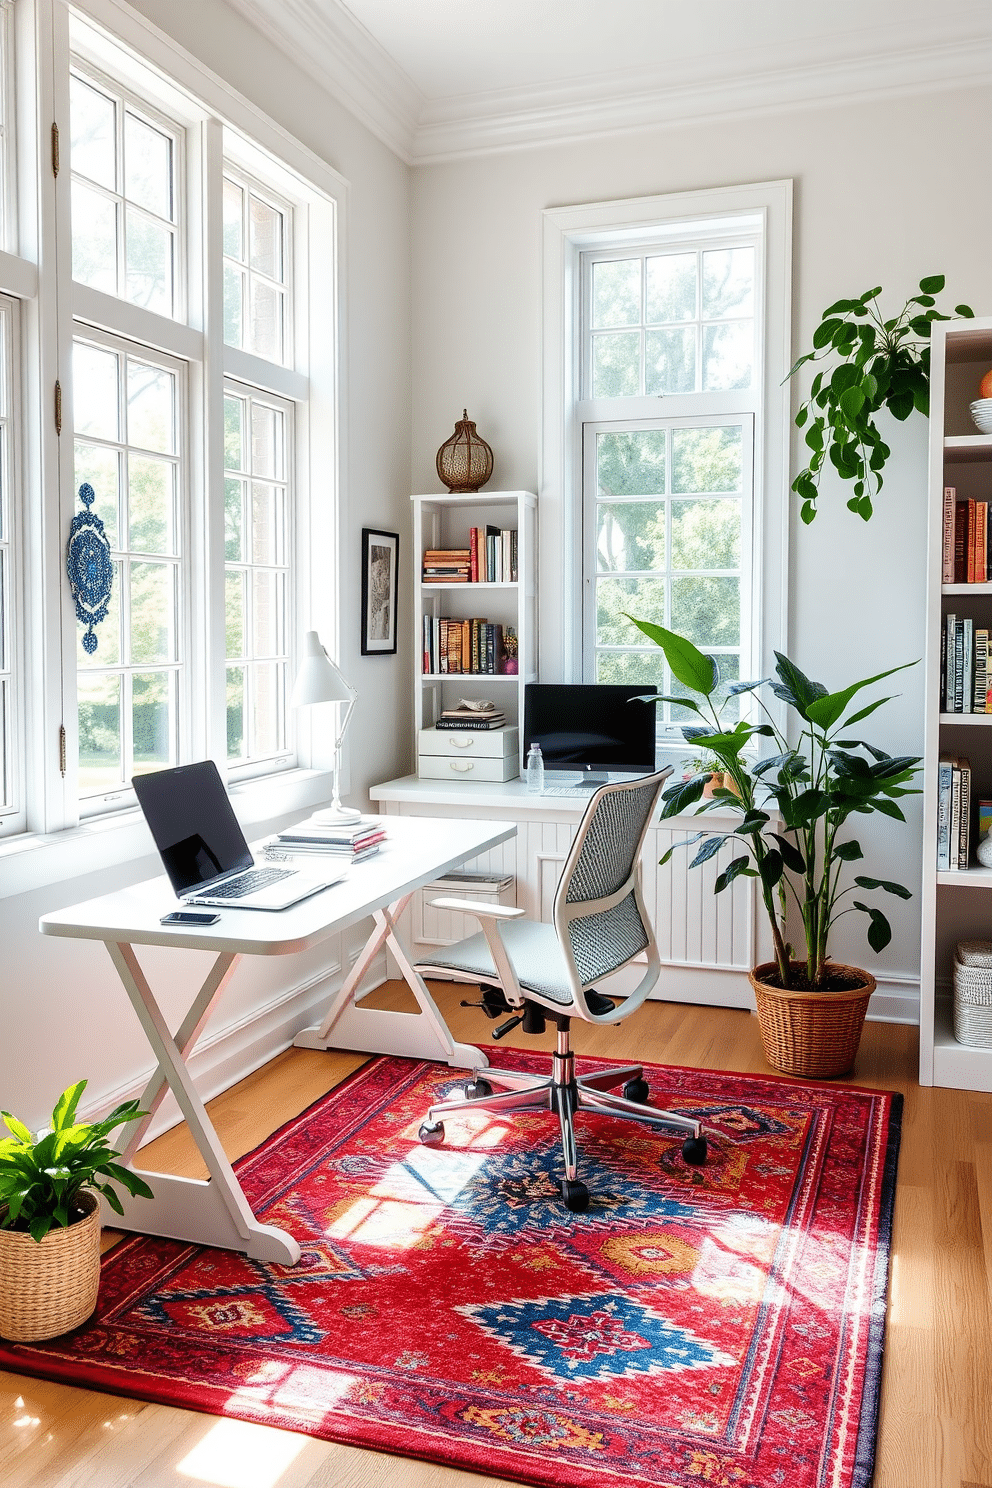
535	971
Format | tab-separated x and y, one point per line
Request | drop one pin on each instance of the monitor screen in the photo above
594	728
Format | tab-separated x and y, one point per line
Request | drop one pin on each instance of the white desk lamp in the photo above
319	681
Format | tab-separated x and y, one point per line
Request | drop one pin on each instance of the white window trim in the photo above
567	232
244	133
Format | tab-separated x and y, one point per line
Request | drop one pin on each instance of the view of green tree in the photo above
728	355
234	433
151	504
617	598
671	288
631	463
706	611
670	360
706	460
152	612
616	364
706	534
631	536
234	519
234	611
235	713
151	719
148	262
616	293
728	282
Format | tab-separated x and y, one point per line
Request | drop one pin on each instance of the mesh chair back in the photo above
598	911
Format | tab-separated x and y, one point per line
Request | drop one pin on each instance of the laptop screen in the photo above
193	824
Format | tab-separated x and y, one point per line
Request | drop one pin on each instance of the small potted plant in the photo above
794	806
50	1217
708	766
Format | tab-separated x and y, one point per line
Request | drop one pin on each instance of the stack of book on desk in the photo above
352	840
472	715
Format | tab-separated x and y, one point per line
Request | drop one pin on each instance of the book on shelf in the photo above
965	673
947	571
472	725
493	555
944	786
965	557
954	813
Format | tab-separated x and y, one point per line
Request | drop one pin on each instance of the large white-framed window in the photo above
117	279
664	462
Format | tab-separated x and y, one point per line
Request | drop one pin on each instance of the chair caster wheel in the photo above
477	1089
575	1194
431	1133
636	1090
694	1151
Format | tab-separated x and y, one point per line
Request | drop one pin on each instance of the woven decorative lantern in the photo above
465	461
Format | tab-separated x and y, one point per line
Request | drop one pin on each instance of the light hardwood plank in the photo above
936	1423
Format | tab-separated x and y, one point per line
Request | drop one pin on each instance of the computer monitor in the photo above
597	729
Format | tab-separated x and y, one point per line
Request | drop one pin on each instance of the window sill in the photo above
34	860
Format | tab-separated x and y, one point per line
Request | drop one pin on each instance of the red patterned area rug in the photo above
719	1325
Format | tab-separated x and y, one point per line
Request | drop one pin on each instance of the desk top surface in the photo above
416	851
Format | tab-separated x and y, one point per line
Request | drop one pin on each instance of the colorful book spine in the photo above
944	783
950	498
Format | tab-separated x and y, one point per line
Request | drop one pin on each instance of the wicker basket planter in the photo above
50	1286
811	1034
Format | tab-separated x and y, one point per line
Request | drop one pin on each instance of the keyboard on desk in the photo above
247	883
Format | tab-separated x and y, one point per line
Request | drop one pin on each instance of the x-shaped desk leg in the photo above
423	1035
208	1213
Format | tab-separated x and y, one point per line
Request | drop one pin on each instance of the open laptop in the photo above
203	847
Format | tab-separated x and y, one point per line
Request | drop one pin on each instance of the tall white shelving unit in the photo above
445	522
957	905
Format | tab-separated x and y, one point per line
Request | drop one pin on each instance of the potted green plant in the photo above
794	805
50	1216
711	768
880	364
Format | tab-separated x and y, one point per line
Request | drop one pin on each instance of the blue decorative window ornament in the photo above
89	567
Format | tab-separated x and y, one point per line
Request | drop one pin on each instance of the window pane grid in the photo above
256	256
257	579
667	539
128	689
673	322
125	233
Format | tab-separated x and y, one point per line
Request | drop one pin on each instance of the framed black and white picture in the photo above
380	568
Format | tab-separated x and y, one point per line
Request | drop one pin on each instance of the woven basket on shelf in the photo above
973	993
50	1286
812	1034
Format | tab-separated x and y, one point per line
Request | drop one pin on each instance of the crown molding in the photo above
329	44
518	119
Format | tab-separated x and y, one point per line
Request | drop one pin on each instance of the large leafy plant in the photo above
41	1176
794	804
879	364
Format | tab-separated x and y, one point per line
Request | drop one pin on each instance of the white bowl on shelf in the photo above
981	412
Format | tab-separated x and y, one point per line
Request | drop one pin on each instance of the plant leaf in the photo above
879	930
709	849
733	870
791	856
692	668
882	883
848	852
827	709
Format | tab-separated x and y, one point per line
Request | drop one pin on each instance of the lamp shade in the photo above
318	679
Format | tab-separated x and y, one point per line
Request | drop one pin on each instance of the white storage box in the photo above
468	754
973	993
443	926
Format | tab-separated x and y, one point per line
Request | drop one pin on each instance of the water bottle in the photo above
535	770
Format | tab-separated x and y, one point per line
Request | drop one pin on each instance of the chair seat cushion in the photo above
534	953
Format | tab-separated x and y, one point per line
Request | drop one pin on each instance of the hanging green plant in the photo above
881	364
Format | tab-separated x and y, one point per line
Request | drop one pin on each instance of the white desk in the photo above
216	1211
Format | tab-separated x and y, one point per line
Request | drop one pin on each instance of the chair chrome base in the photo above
565	1092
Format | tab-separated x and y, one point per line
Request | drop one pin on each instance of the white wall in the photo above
64	1011
885	192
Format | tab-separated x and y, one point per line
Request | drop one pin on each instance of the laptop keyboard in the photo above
247	883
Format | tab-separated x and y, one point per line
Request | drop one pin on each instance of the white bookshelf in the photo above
445	521
956	905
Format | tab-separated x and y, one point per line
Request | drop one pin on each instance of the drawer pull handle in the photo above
464	743
461	765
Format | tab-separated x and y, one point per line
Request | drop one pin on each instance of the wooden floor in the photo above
936	1418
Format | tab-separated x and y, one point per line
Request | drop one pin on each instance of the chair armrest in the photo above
481	910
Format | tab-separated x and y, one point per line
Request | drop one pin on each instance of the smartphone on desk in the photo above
189	917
